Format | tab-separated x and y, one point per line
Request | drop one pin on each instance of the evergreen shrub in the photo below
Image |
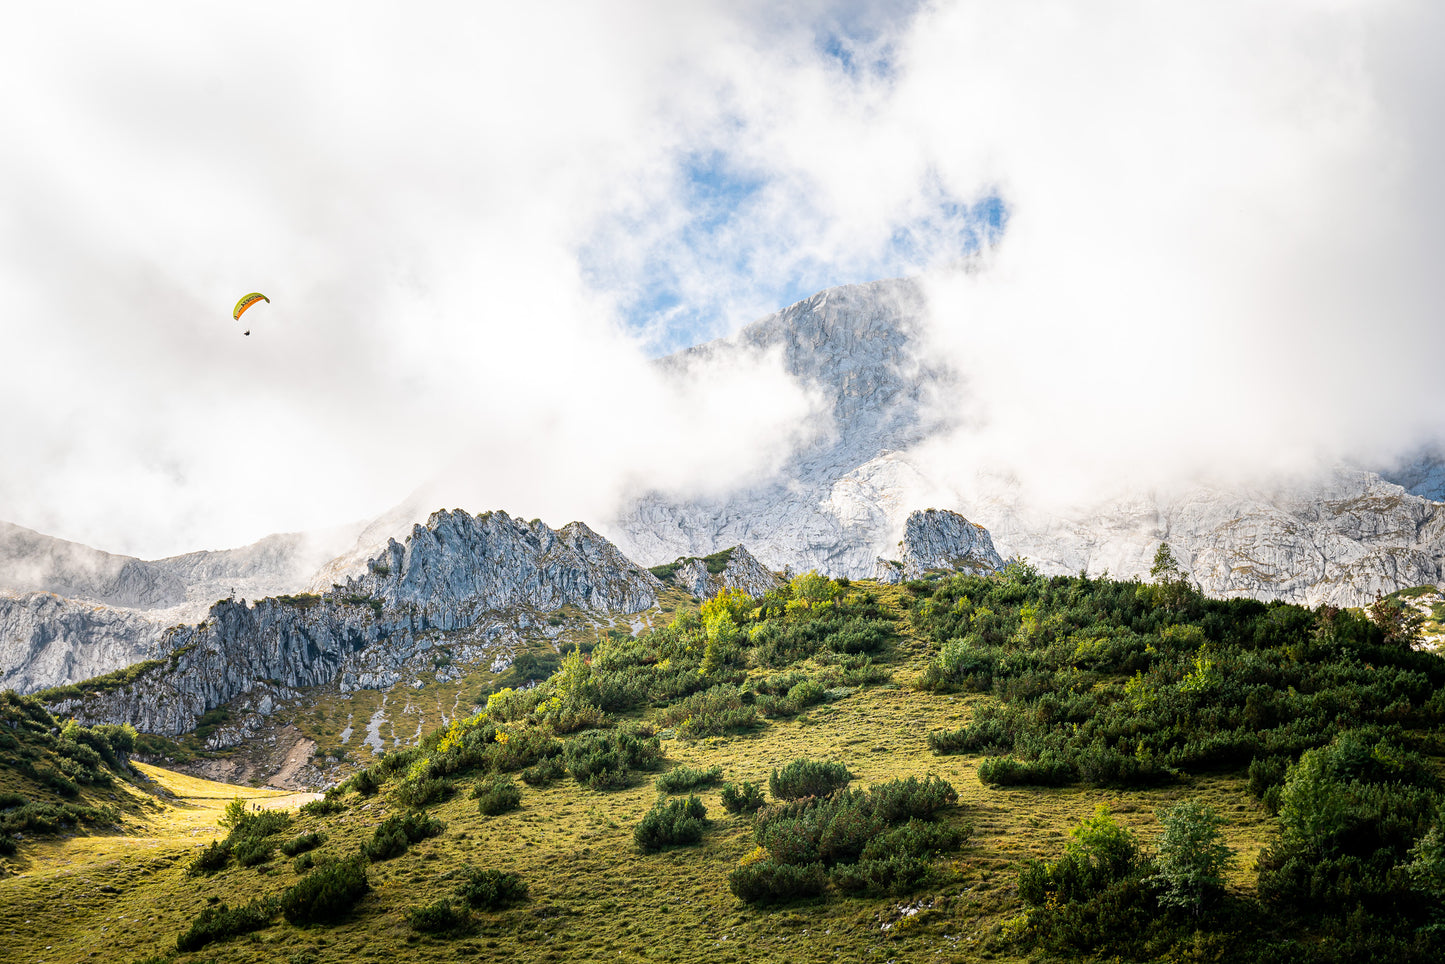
488	889
220	922
497	794
301	844
808	778
671	823
746	797
326	894
769	881
681	779
437	917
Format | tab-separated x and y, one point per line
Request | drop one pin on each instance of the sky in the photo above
1210	231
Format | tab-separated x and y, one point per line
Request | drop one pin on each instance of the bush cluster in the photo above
398	832
683	779
220	922
489	889
1121	684
438	917
743	798
603	760
808	778
875	842
671	823
497	794
326	894
59	757
302	843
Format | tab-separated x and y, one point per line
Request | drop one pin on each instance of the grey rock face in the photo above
939	539
839	505
741	572
1421	474
69	612
30	561
468	581
47	640
1338	539
833	505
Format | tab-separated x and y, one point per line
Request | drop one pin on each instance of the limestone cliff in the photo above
733	569
841	503
939	539
69	612
472	583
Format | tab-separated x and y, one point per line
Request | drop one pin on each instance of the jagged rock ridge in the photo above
732	569
469	581
841	503
838	503
69	612
939	539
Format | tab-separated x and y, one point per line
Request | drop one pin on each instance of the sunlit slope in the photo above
96	895
1033	700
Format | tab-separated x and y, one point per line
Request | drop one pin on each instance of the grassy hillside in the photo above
976	725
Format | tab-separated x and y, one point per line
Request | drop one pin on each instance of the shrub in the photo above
487	889
808	778
250	851
746	798
396	833
424	791
210	860
303	843
1192	856
672	823
768	881
497	794
615	752
219	922
438	917
680	779
898	800
323	807
252	824
365	782
325	894
916	838
543	772
893	874
1047	771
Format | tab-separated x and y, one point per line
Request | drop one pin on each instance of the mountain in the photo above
69	612
476	588
838	505
843	502
935	539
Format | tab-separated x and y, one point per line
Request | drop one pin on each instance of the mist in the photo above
1218	255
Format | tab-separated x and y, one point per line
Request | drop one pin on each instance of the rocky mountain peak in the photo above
939	539
475	584
731	569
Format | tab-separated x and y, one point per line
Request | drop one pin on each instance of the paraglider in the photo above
247	302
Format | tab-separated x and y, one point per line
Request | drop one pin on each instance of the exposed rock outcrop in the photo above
939	539
733	569
69	612
833	505
472	583
46	639
839	504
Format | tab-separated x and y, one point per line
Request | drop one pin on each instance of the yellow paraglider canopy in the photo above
247	302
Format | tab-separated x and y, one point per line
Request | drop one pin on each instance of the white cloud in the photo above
1222	244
